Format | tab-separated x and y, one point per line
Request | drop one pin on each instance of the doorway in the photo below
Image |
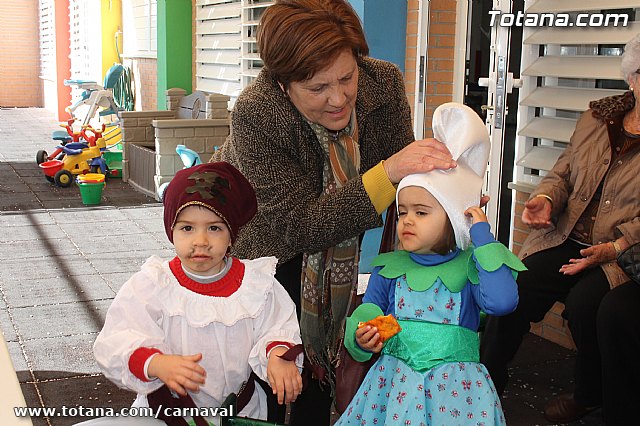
484	100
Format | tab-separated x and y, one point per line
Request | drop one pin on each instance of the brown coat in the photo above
575	178
278	152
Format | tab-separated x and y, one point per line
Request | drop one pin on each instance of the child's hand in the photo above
369	339
477	214
180	373
284	377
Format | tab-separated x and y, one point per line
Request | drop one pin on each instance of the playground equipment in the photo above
63	137
95	96
189	158
79	158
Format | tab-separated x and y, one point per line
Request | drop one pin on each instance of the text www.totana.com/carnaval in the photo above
81	411
521	19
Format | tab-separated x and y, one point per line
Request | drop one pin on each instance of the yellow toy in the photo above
80	158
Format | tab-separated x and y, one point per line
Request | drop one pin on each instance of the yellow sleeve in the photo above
379	188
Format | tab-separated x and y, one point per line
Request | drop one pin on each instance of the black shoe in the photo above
565	409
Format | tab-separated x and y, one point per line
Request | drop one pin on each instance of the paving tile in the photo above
55	266
90	392
107	263
152	224
17	233
94	214
117	244
65	204
6	326
116	280
162	237
43	248
9	189
25	166
68	319
54	193
56	290
20	202
144	213
30	392
19	363
84	227
61	357
31	217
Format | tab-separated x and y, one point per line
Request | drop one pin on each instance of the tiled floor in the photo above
63	263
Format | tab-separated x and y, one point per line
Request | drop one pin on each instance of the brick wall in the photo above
145	77
20	84
440	51
411	52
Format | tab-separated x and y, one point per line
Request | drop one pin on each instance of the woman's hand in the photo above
180	373
477	214
537	213
418	157
592	256
284	377
369	339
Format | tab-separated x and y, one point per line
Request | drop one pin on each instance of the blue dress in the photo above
429	374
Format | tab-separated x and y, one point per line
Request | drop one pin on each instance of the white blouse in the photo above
153	310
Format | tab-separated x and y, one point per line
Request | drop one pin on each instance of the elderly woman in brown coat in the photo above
583	214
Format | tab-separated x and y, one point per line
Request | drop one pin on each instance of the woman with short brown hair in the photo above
323	134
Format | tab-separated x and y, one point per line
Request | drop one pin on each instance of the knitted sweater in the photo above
278	152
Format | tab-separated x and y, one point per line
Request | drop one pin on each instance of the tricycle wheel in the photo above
41	156
97	169
49	178
63	178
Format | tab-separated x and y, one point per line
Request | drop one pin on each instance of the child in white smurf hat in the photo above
450	269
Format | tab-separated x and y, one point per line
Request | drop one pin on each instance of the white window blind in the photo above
218	24
563	69
47	40
85	41
252	10
139	28
227	59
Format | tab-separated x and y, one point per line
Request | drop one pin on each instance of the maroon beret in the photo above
220	187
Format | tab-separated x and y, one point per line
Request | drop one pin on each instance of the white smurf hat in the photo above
465	135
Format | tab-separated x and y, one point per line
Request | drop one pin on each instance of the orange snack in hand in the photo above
387	326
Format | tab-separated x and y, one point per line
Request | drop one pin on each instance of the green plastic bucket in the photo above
91	193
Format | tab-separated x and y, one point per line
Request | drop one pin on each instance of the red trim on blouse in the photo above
274	344
224	287
138	359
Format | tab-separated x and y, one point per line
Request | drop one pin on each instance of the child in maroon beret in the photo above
200	324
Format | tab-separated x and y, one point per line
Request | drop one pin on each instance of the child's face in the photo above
422	221
201	239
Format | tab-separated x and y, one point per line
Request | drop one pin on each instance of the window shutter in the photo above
227	58
47	40
218	24
563	69
85	42
139	22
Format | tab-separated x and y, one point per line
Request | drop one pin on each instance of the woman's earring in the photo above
286	94
631	88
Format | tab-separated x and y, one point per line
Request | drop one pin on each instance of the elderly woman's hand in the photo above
418	157
593	256
537	213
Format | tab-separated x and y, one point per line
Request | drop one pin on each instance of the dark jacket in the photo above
278	152
575	178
